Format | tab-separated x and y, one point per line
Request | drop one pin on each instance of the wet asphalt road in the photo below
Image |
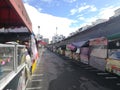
55	72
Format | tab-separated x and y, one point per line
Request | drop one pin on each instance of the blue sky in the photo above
67	15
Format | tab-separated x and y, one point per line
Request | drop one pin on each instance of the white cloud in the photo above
104	13
83	7
48	23
48	1
88	21
93	8
107	12
39	9
70	1
73	11
80	9
82	18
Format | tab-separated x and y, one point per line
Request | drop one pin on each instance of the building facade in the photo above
57	38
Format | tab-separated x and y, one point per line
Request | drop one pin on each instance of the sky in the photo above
66	16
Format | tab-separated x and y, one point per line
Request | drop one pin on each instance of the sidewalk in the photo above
36	82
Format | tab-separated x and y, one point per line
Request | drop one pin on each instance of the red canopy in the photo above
42	42
13	14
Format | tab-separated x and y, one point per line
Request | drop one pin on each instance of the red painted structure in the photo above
16	26
42	42
13	14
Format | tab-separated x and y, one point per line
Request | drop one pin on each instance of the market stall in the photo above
82	52
70	50
12	66
63	48
113	60
98	53
15	30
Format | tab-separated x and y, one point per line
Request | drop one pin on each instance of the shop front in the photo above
13	66
113	60
81	53
98	53
15	30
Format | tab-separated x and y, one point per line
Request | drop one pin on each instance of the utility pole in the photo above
56	30
38	34
38	29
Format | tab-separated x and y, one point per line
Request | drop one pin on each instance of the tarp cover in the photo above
42	42
79	44
70	46
114	36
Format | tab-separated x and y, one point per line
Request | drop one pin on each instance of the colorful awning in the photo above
71	47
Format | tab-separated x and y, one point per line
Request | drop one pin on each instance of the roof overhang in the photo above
13	14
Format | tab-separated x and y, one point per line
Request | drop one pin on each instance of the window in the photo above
6	59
